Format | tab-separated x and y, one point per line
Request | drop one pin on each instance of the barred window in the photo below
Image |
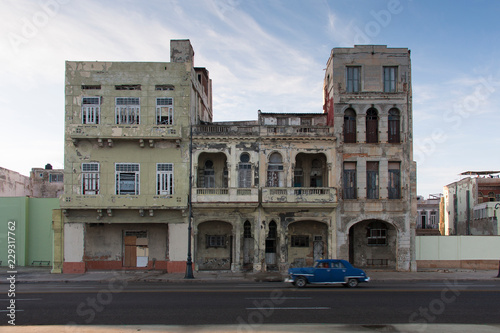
216	241
56	178
90	178
164	179
91	110
127	110
299	241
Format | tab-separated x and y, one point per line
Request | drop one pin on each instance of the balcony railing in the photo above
263	131
219	195
321	195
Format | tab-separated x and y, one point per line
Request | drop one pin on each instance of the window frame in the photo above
165	179
299	241
91	112
372	180
349	176
56	178
372	125
128	111
390	79
394	180
394	126
160	109
353	79
134	170
91	176
215	241
350	126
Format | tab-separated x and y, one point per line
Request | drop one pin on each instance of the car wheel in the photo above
351	283
300	282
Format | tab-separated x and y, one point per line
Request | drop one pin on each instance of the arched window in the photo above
491	196
275	171
394	126
247	230
372	126
244	171
350	126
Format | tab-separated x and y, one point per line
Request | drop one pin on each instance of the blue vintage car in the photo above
327	271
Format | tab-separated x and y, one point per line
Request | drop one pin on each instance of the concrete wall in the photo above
13	184
33	229
473	252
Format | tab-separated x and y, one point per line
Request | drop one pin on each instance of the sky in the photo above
261	55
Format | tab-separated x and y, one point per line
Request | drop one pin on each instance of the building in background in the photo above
428	213
368	100
471	204
42	183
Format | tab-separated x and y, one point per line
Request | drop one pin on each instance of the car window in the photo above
338	264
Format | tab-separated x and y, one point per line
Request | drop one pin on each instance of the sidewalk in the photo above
42	274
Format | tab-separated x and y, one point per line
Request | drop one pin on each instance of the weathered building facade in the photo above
126	160
42	183
368	99
266	195
428	213
471	204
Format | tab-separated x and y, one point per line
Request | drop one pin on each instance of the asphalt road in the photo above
251	304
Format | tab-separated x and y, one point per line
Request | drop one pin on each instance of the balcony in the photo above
226	130
307	131
108	133
263	131
100	201
302	196
225	196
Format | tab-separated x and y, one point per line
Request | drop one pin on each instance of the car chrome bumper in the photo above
289	279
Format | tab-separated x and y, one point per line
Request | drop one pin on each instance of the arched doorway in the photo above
271	247
373	244
214	249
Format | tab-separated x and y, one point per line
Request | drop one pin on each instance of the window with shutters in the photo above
349	178
394	185
350	126
165	111
394	126
372	126
127	110
90	178
209	175
164	179
91	110
244	171
127	178
353	82
372	181
390	79
275	171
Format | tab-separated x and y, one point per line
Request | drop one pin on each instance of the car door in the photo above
322	273
338	272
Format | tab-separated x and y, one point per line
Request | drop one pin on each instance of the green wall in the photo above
33	234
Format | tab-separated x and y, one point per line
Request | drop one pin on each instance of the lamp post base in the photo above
189	271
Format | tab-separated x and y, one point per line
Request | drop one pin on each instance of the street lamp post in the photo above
189	262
